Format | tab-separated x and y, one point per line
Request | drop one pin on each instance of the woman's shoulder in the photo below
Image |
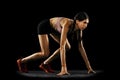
62	18
66	21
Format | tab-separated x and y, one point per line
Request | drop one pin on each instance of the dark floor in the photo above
73	74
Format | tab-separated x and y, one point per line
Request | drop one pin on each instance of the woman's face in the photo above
82	24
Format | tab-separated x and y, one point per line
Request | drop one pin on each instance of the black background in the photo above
25	40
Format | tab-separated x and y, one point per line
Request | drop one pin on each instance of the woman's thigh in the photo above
44	43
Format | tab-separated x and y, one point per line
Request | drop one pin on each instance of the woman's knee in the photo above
44	53
68	47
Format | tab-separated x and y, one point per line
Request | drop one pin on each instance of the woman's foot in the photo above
21	66
46	68
91	71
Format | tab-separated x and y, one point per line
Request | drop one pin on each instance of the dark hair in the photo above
81	16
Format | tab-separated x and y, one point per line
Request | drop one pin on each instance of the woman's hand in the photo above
91	71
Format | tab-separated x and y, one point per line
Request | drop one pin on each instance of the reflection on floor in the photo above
73	74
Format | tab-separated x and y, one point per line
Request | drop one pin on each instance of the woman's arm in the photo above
63	39
84	55
65	27
62	46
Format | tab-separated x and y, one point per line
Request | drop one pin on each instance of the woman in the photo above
59	28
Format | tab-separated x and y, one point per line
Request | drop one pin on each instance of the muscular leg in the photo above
44	44
57	39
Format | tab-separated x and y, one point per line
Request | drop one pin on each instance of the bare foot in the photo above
63	73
